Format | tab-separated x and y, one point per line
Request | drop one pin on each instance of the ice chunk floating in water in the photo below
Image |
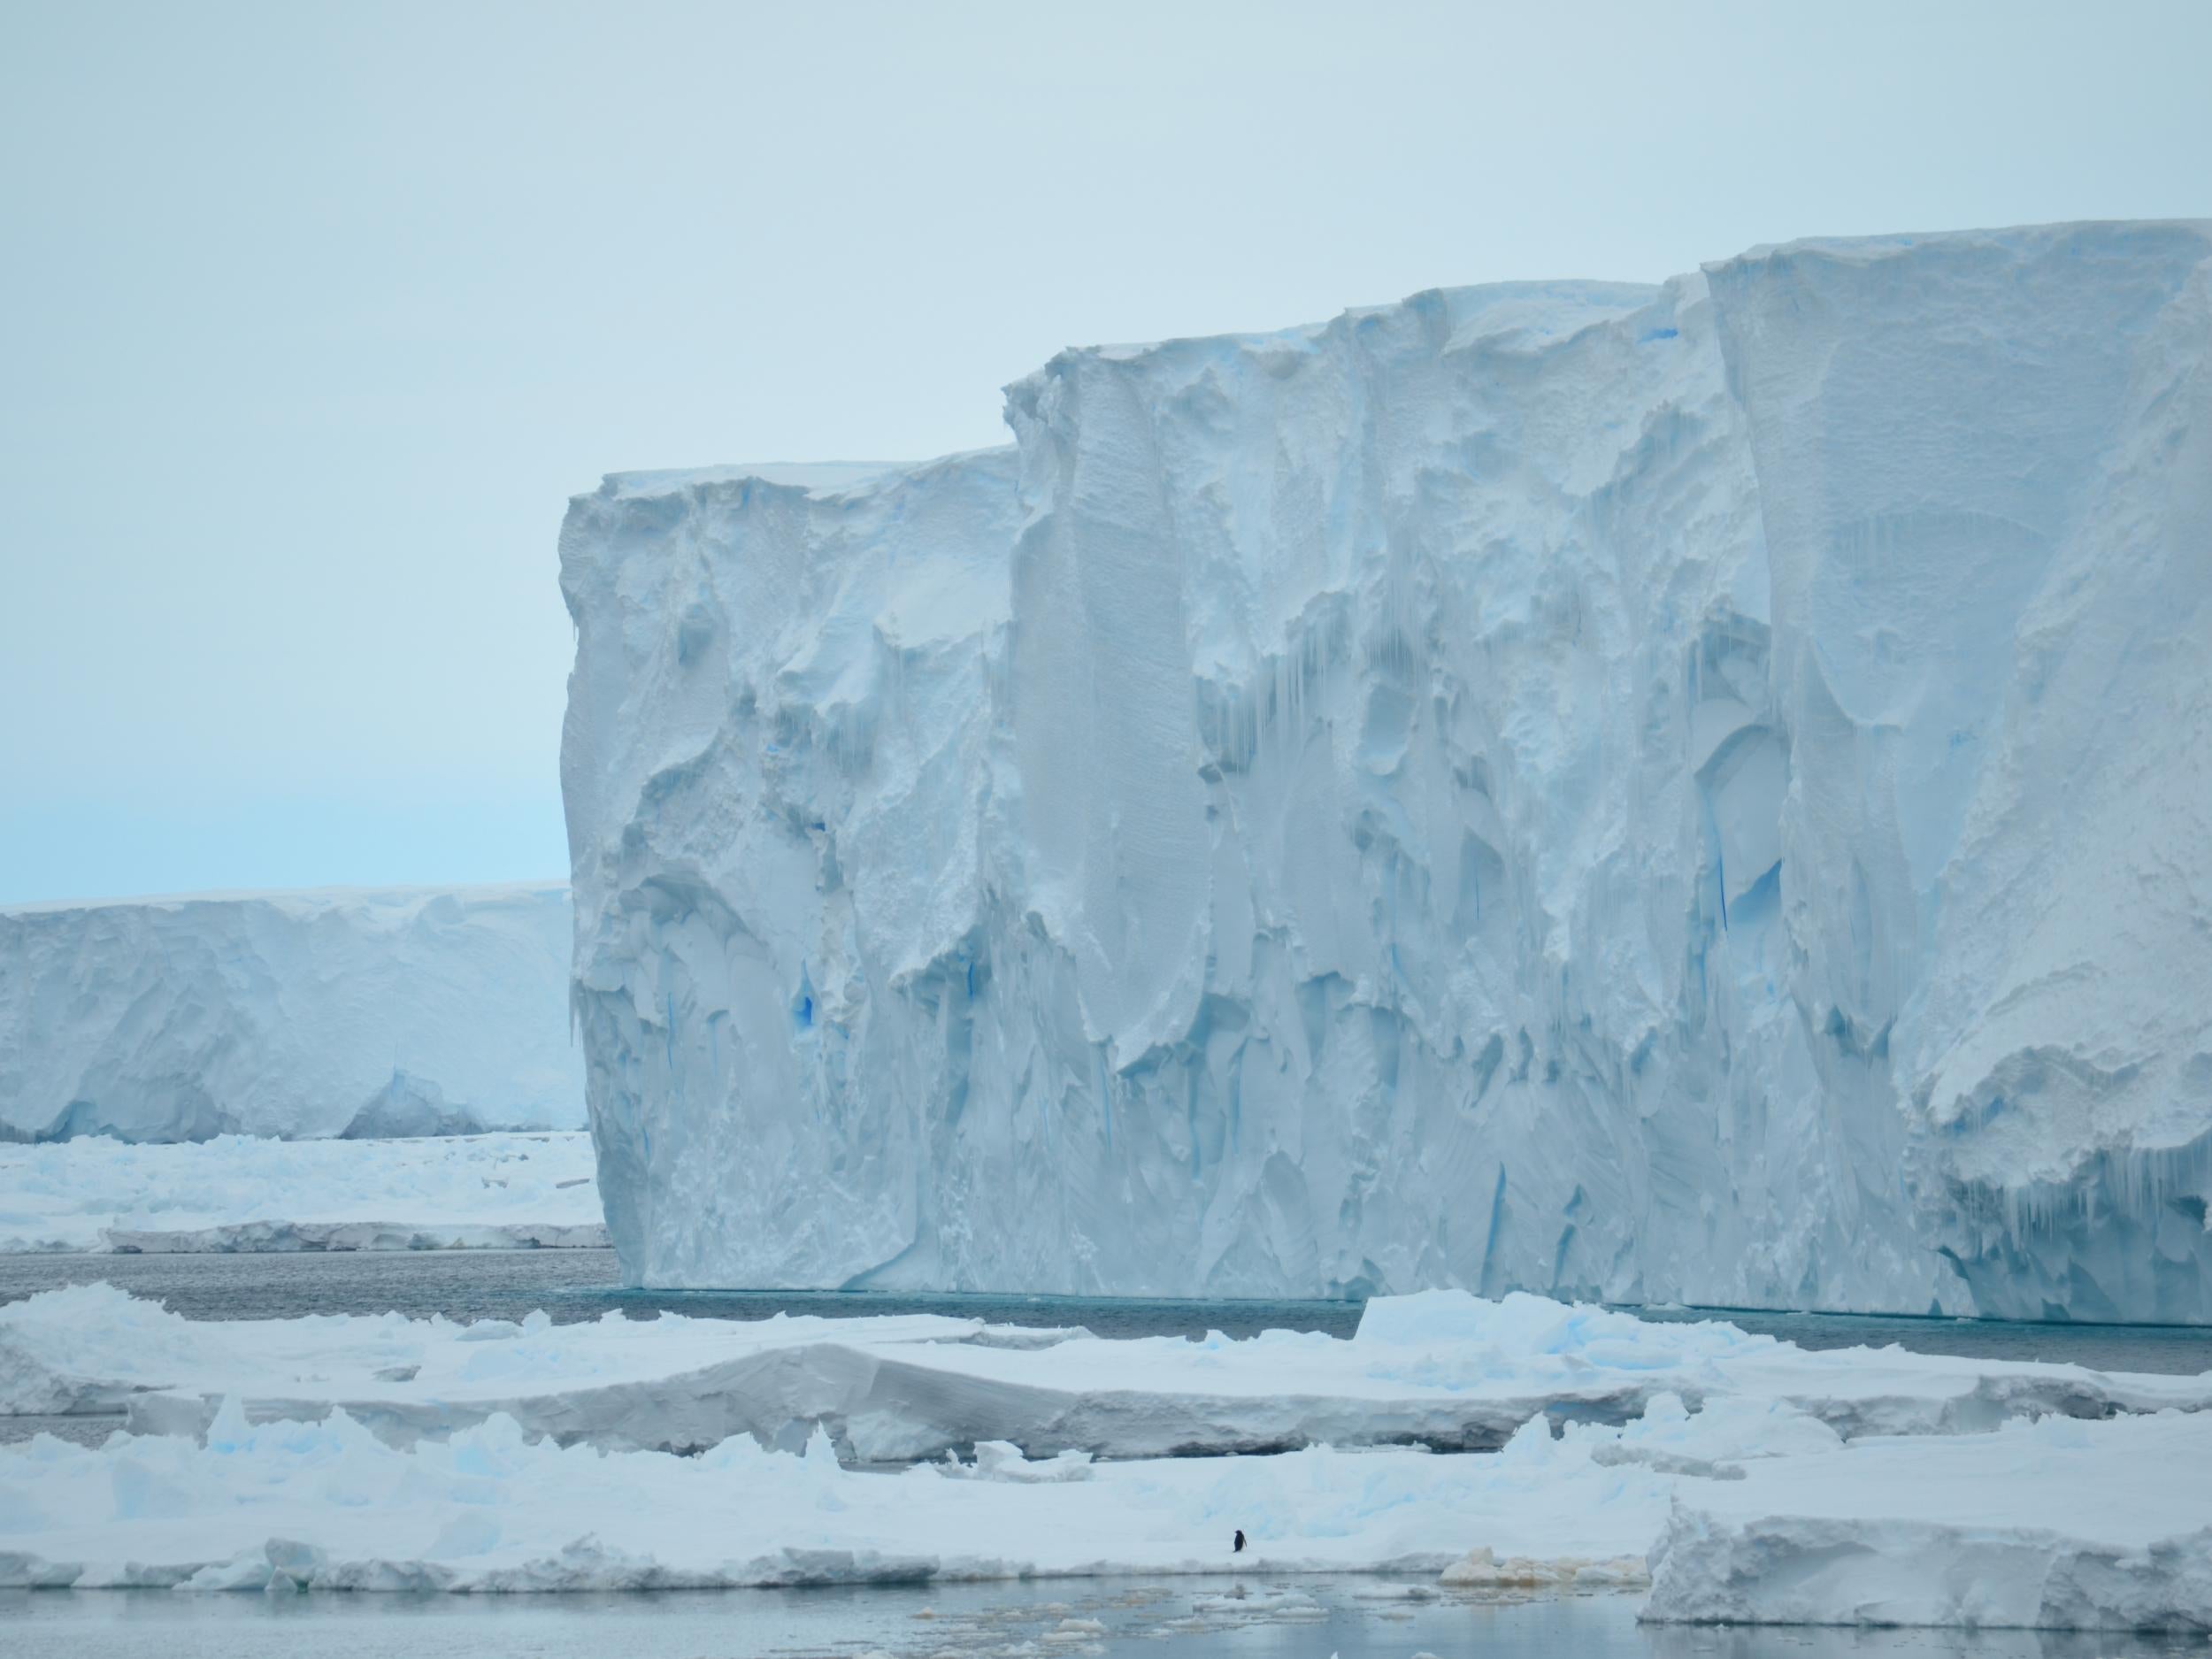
1691	792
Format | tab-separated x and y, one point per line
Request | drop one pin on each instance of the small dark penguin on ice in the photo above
1237	1547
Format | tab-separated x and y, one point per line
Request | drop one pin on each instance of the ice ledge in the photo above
2049	1526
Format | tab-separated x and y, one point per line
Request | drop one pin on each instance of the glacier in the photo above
372	1012
1684	792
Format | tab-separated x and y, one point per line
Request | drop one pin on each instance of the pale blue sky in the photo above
311	316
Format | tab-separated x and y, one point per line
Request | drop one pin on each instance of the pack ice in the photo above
1696	791
407	1012
249	1193
1762	1483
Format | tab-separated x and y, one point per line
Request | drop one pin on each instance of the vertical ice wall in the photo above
1644	792
1985	469
404	1010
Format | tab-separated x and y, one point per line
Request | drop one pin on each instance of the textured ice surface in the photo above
1696	792
2050	1524
407	1011
244	1193
897	1388
1760	1509
330	1506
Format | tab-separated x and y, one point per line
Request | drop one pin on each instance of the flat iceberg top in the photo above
304	901
2090	232
821	480
1537	312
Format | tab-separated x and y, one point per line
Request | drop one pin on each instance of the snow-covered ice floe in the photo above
244	1193
2050	1523
1765	1483
1443	1370
332	1505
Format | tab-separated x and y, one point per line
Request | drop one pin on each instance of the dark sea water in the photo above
573	1285
576	1285
1352	1618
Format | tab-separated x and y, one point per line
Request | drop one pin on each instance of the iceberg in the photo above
1697	792
362	1012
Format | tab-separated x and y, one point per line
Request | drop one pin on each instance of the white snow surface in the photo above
1694	792
2050	1524
329	1505
909	1386
412	1011
1752	1504
246	1192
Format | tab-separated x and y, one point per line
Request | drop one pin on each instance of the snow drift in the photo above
1696	792
377	1012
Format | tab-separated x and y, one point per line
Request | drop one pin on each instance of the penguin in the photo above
1237	1548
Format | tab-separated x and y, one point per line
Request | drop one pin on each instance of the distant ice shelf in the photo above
240	1194
369	1012
1699	792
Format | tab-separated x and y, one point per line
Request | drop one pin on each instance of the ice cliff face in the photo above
295	1014
1688	792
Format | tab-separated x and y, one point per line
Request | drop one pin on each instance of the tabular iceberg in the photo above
1696	791
401	1011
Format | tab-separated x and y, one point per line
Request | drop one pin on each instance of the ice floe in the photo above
246	1193
1443	1370
1767	1483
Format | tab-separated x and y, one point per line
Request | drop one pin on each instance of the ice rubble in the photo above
1752	1507
1696	792
409	1011
244	1193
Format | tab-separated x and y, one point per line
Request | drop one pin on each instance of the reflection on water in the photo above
578	1285
1270	1619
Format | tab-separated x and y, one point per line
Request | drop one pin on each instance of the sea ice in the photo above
1757	1477
245	1193
2051	1524
915	1386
